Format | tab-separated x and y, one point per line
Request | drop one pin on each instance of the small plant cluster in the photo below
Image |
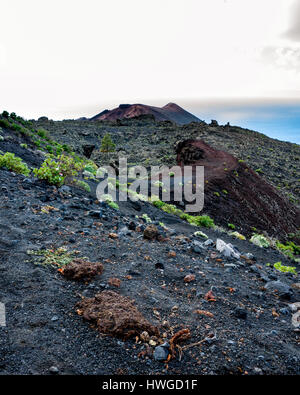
107	198
237	235
199	220
45	143
289	249
14	163
91	168
260	240
147	218
113	205
200	234
285	269
82	185
58	258
56	171
107	145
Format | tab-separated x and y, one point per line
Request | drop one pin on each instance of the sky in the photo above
232	60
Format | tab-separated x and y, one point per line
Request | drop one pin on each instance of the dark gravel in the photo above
45	335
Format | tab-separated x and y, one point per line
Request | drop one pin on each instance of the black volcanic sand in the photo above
43	329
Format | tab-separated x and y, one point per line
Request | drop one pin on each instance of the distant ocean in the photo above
280	122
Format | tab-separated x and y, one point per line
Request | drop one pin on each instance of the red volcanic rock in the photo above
236	194
170	112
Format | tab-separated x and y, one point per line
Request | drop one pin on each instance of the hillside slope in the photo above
153	143
237	309
236	194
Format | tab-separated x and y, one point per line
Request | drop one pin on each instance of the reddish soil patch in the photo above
80	269
115	314
236	194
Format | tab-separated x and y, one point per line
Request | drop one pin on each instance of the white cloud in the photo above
3	56
286	57
67	55
293	32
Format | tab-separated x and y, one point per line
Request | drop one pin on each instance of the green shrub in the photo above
147	218
23	145
285	269
289	249
5	114
184	216
107	144
237	235
14	163
113	205
91	169
42	133
171	209
49	148
158	203
15	127
202	220
59	170
259	240
37	143
83	185
67	148
109	200
59	149
231	226
200	234
4	123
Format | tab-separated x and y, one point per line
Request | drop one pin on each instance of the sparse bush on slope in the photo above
14	163
58	170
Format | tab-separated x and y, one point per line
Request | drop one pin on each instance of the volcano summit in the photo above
170	112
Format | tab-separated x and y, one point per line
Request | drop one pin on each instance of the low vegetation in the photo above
57	258
285	269
199	220
14	163
289	249
260	240
57	170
